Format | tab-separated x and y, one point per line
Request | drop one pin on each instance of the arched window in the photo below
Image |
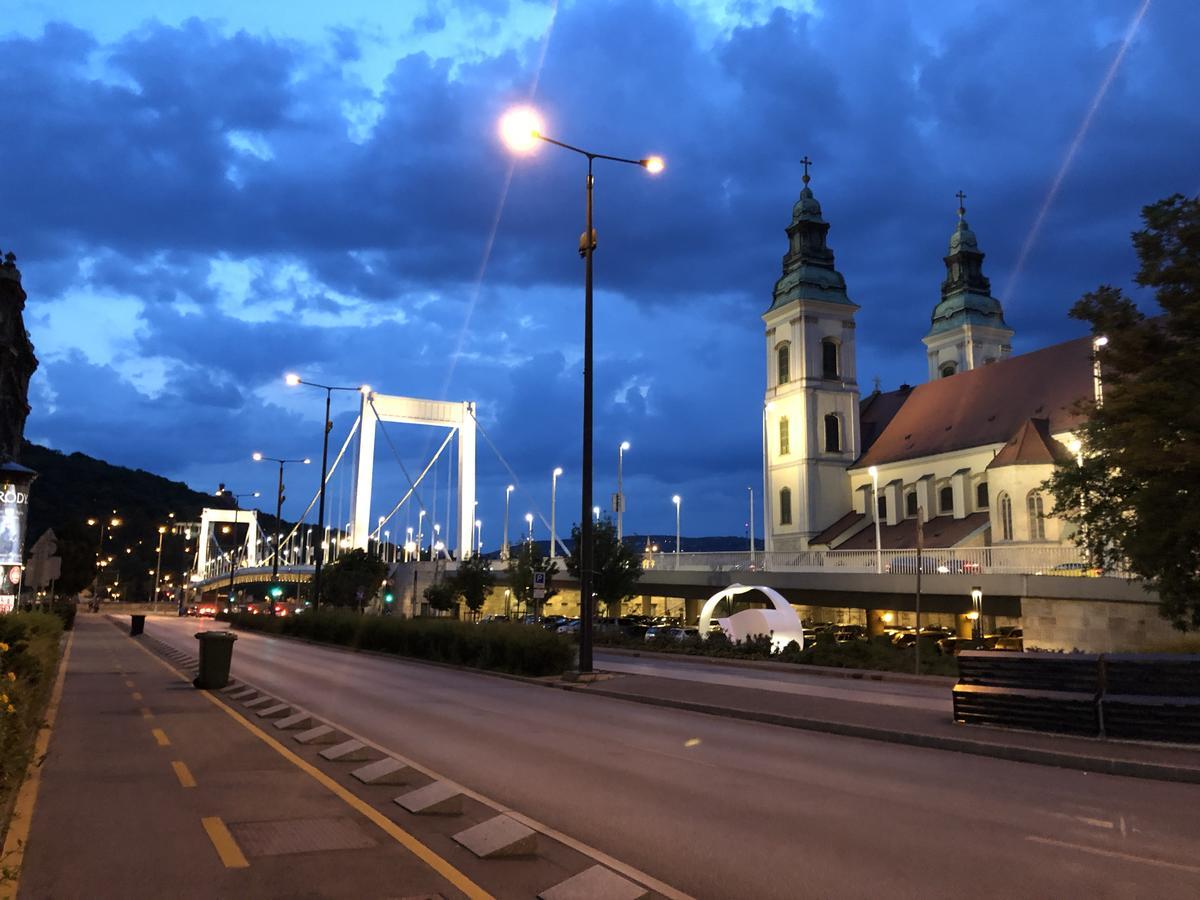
910	503
1037	516
981	495
948	369
1006	529
785	443
829	359
833	434
785	506
946	499
784	355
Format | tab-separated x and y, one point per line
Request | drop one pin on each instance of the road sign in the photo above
539	585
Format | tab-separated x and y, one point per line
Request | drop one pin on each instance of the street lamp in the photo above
420	532
294	380
553	499
750	488
768	522
408	543
162	530
621	489
504	544
677	500
596	513
529	522
1098	343
478	537
521	129
977	613
874	473
433	538
258	457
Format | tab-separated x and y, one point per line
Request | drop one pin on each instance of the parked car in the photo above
551	623
569	627
932	565
844	634
906	639
1014	641
677	633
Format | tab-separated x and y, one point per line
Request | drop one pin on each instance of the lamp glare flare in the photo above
520	129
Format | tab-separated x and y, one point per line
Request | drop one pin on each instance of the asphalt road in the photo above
724	808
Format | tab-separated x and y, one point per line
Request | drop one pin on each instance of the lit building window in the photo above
1037	516
785	444
785	506
1006	529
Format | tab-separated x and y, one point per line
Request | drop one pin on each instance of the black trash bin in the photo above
137	624
216	653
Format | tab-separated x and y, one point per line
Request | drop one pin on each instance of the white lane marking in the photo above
1114	854
599	856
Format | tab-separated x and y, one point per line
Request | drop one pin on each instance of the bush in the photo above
499	646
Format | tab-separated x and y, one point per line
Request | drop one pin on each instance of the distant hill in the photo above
71	488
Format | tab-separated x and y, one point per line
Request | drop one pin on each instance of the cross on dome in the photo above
806	162
962	210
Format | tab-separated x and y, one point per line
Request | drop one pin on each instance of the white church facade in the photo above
966	453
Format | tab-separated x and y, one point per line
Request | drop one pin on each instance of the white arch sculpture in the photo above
781	623
235	516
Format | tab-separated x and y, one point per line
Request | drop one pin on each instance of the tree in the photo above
473	581
521	568
441	595
1136	493
353	580
616	566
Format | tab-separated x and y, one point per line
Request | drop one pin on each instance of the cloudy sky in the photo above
203	197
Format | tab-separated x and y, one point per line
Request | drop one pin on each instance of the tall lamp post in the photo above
504	544
750	488
874	473
479	537
233	553
621	490
258	457
162	530
553	500
1098	343
677	500
529	522
522	130
977	613
293	381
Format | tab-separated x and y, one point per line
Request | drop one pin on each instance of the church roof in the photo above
940	531
877	409
837	529
1032	445
988	405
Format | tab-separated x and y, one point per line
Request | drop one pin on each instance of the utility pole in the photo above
920	566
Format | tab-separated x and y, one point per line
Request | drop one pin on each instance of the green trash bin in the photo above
137	624
216	653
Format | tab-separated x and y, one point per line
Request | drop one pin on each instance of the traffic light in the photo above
388	597
276	591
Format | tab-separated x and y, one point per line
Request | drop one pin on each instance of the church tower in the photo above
810	419
968	328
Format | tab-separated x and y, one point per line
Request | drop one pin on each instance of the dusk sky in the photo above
203	197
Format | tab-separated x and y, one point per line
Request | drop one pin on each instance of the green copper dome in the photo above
808	266
966	293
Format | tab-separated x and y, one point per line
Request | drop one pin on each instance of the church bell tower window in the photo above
785	444
829	359
784	364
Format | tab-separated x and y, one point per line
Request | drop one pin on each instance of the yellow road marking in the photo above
226	847
183	773
146	714
22	815
394	831
137	696
161	737
1115	854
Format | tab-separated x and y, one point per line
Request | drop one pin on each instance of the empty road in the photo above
724	808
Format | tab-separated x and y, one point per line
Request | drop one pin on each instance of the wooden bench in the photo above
1151	698
1053	692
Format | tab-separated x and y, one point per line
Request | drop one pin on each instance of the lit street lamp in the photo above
553	499
258	457
162	530
977	613
620	504
420	532
478	537
293	381
521	130
677	500
504	544
874	473
529	522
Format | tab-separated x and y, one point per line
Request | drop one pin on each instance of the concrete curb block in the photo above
347	751
297	720
497	837
596	883
793	668
438	798
386	771
1099	764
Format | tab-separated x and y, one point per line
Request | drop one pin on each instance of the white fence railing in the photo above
1031	559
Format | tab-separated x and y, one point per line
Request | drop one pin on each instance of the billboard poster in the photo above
14	508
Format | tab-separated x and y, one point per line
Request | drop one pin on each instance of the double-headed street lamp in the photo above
620	504
293	381
553	499
258	457
521	130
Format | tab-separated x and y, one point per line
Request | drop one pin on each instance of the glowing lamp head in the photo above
478	523
676	499
365	390
291	379
520	129
307	460
1099	342
558	471
256	456
528	518
624	445
654	164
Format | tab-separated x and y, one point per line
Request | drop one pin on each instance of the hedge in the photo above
499	646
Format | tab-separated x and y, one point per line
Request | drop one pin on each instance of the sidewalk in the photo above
150	790
904	724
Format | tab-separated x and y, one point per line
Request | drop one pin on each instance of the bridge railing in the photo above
1030	559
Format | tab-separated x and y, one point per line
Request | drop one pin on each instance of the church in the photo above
965	453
